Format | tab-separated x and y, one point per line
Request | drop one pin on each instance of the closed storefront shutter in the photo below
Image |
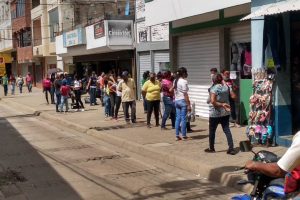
161	58
240	33
144	65
198	53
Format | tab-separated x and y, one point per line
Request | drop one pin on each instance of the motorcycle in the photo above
264	187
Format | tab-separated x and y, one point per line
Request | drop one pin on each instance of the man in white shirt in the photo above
289	161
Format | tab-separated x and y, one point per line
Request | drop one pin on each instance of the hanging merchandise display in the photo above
260	130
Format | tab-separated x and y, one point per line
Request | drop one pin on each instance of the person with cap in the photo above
29	81
128	87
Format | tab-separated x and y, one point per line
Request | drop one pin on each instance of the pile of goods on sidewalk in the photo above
260	130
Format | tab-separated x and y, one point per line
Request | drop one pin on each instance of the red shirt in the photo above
47	83
65	90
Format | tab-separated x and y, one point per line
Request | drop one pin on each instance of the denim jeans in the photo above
213	124
13	87
169	110
64	100
107	109
58	98
20	88
181	111
126	106
93	96
112	97
29	87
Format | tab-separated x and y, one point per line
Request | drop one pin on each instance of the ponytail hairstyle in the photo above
181	73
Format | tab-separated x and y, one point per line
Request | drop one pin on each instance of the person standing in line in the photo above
128	87
20	83
64	90
118	97
77	92
12	81
5	84
106	99
151	90
230	83
112	85
219	112
101	86
182	102
57	85
52	91
29	81
168	100
47	87
92	86
145	78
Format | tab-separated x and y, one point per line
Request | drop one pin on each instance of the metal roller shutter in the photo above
144	65
240	33
160	57
198	53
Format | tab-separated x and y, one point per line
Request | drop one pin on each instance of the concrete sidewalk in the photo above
153	143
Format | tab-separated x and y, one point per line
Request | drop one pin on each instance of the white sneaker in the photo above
82	110
77	110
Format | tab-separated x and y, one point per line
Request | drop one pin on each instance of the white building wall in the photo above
171	10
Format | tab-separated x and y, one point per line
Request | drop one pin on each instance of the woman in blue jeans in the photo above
182	102
168	100
219	112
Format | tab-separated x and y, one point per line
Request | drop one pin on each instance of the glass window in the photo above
53	23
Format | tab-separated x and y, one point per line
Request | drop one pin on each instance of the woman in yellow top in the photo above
151	90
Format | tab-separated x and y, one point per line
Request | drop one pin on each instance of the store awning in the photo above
275	8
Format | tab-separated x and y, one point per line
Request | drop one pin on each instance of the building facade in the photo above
22	32
279	23
206	35
97	37
6	45
152	44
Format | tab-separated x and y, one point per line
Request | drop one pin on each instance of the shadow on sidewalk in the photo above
182	189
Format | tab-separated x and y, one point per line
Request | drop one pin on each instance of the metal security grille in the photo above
198	53
160	57
240	33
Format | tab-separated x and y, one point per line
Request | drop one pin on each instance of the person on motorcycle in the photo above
289	161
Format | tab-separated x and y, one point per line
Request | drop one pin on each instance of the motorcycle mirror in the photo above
245	146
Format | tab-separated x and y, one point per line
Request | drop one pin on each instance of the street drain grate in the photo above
102	158
8	177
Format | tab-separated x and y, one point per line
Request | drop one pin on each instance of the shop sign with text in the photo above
73	38
120	32
99	30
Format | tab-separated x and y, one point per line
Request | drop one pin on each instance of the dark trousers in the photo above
153	105
118	104
5	89
78	98
58	98
233	112
52	91
46	90
126	106
112	97
213	124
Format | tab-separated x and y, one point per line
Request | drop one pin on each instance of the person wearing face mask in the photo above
151	90
229	82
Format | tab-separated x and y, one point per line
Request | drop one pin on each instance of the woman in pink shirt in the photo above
168	99
29	81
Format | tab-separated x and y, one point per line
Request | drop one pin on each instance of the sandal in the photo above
178	138
209	150
187	138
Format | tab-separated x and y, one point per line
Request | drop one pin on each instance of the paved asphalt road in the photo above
42	161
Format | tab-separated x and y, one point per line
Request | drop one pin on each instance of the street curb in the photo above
227	179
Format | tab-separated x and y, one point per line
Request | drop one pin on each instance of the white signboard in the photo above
120	32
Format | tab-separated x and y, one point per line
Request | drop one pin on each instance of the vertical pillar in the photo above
257	38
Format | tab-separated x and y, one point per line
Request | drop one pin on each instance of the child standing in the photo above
64	90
